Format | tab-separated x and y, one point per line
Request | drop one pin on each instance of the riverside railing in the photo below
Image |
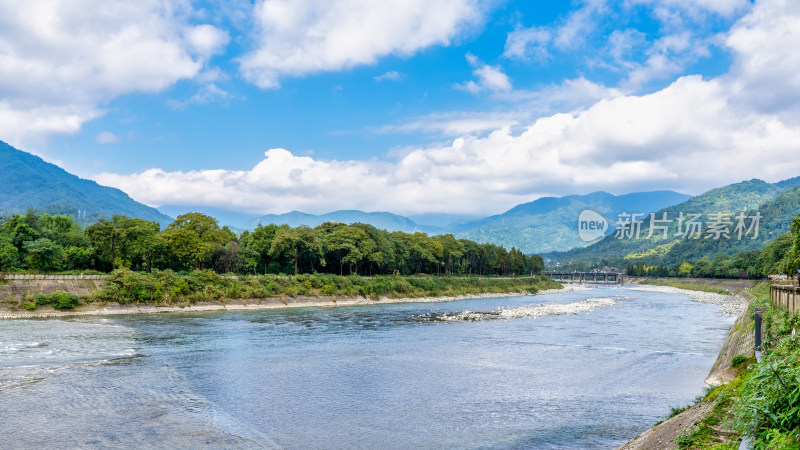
785	293
44	276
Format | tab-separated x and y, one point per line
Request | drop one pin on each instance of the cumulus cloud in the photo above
692	135
489	78
61	61
298	37
683	137
766	62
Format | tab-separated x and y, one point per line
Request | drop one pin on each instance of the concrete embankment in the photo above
16	288
740	340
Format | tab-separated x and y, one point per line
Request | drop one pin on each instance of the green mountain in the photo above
550	223
382	220
776	204
29	181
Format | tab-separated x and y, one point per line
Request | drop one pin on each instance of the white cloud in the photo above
666	57
389	76
298	37
685	36
60	61
766	60
696	9
106	137
528	43
579	24
206	40
684	137
32	123
490	78
692	135
207	93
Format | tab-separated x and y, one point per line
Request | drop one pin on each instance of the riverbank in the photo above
704	414
127	292
111	309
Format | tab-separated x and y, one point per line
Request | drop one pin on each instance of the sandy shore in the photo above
254	304
731	304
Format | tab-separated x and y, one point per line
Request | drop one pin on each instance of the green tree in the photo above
537	264
192	237
685	269
349	245
9	255
77	258
258	244
794	261
104	235
296	243
140	241
452	250
44	254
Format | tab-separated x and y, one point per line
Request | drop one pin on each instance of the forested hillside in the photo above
27	181
549	223
776	207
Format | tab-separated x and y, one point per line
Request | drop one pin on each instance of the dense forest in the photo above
776	208
52	243
779	256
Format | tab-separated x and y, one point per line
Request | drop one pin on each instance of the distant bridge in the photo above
588	277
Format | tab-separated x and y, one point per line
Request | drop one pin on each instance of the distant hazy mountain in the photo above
550	223
382	220
776	204
441	220
234	220
28	181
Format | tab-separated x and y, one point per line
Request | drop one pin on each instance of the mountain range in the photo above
546	225
28	181
543	225
551	223
775	203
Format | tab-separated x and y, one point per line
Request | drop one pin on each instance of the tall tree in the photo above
297	243
192	237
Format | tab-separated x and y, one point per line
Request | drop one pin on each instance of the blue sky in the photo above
408	106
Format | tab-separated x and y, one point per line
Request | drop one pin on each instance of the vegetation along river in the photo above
583	369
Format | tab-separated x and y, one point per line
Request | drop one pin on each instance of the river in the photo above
583	369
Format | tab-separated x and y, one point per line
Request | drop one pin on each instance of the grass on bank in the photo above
170	288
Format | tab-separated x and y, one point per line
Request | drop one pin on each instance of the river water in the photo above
584	369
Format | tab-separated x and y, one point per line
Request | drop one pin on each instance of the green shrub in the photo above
58	300
769	409
30	306
738	360
64	300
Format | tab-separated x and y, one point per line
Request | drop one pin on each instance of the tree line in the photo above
779	256
50	243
